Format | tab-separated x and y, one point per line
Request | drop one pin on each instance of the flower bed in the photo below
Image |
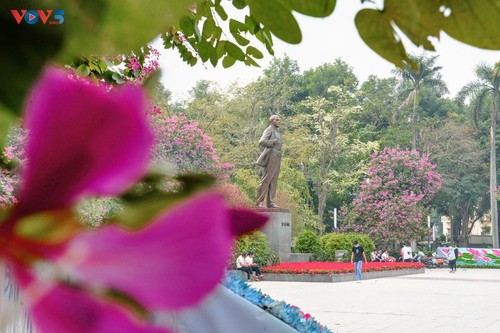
474	258
331	268
290	314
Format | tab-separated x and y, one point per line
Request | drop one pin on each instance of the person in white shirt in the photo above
452	259
243	266
255	268
407	255
385	256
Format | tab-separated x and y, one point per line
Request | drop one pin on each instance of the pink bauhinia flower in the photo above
87	141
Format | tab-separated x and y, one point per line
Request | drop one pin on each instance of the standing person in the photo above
241	265
455	250
407	255
357	257
452	260
270	160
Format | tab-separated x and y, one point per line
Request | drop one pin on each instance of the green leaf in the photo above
50	227
217	33
254	52
214	58
7	119
476	23
240	39
221	48
141	207
192	61
187	25
417	19
209	27
250	62
83	70
205	50
252	24
203	9
228	61
237	26
151	83
266	39
234	51
141	211
239	4
375	29
316	8
276	18
220	10
117	78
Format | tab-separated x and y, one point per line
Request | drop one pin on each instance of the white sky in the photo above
325	40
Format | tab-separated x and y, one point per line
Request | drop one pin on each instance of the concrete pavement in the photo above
438	301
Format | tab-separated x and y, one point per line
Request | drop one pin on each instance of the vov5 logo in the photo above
33	16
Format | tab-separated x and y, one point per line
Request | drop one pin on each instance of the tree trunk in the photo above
414	122
323	190
463	239
493	178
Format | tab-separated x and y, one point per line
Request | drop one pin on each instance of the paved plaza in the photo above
437	301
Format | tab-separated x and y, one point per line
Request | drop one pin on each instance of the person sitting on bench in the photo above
255	268
241	265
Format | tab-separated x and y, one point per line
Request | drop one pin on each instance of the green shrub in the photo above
307	242
335	241
258	243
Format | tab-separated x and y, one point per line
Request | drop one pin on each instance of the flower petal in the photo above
82	140
64	309
171	263
245	221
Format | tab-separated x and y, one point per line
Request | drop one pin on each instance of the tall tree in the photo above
460	159
280	87
319	79
331	122
206	105
412	83
377	98
484	92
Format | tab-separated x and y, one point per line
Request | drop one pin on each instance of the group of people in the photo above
381	256
245	263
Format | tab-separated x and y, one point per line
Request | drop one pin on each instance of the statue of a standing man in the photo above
270	159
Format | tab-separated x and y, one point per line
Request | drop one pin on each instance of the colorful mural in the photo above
469	256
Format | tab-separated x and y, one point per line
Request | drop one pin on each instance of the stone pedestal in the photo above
279	231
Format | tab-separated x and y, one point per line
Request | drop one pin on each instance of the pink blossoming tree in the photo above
182	144
392	201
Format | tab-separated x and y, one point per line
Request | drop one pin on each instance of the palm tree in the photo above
428	74
483	92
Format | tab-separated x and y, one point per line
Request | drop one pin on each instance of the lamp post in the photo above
335	219
428	233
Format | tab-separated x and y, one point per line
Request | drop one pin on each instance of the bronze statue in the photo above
270	160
